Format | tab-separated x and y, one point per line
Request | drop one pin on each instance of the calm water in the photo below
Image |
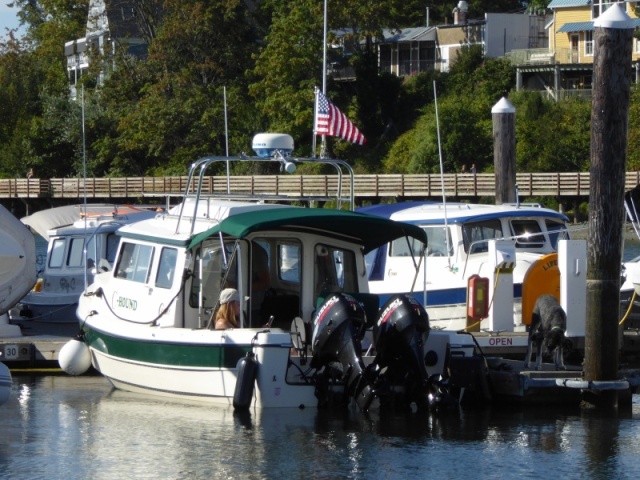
79	428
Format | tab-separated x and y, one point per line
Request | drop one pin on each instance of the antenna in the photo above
444	197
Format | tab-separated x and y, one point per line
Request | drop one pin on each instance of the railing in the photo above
366	186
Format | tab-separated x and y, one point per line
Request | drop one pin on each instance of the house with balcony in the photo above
413	50
111	24
566	68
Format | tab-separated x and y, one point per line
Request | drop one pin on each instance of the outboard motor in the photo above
337	334
399	337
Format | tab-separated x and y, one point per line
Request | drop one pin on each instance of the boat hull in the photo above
200	365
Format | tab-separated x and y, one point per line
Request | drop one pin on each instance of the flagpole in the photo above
315	113
323	148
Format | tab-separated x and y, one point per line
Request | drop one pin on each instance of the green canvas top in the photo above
366	230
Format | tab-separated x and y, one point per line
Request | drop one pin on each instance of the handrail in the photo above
279	157
456	185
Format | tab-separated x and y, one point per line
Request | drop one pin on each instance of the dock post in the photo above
504	150
613	40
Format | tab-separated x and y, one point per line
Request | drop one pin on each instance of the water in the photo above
79	428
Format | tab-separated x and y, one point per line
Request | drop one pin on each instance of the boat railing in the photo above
287	163
473	246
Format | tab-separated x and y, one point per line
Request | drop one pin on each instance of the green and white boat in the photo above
145	325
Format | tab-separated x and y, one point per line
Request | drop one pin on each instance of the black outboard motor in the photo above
399	337
337	333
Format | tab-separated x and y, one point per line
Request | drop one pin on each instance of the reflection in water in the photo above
66	427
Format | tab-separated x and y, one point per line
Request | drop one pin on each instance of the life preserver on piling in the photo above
247	371
74	357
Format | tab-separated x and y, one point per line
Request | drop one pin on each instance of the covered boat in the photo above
306	322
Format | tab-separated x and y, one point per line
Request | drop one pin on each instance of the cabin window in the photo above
214	268
557	230
527	234
56	259
439	242
112	246
134	263
166	267
76	247
289	261
405	247
335	270
478	234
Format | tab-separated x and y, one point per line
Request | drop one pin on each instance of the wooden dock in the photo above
39	345
371	186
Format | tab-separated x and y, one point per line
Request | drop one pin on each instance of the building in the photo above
111	24
413	50
566	67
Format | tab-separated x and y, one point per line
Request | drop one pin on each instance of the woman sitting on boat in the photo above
229	311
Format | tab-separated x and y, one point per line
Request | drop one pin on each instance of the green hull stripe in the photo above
166	353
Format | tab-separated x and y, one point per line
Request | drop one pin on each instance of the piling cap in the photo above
615	17
503	106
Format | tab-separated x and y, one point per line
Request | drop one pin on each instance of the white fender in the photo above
74	357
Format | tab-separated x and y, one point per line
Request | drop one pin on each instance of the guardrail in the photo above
366	186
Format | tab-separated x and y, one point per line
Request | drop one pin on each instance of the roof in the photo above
585	26
433	213
366	230
568	3
576	27
409	34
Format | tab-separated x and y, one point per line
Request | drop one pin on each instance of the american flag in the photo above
331	121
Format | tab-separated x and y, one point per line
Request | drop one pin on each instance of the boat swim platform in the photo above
511	382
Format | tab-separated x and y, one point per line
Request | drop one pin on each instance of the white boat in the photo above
144	325
81	243
17	266
6	383
460	255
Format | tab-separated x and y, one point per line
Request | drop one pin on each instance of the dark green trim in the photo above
166	353
366	230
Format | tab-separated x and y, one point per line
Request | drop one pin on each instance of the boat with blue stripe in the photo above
459	237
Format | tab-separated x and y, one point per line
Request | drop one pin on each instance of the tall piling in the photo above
613	40
504	150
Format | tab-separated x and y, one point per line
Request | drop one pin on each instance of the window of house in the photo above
588	43
599	7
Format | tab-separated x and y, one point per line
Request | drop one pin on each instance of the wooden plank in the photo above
557	184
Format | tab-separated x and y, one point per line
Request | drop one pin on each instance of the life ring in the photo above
543	277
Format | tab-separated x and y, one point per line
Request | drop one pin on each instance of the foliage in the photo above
552	136
156	115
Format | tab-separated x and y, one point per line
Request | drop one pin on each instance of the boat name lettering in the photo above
500	342
128	303
389	310
548	265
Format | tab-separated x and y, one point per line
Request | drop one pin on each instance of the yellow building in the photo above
571	31
566	68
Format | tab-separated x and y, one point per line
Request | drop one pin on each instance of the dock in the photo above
39	345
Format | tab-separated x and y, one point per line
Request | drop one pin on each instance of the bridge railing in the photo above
370	185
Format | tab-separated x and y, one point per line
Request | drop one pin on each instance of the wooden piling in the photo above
504	150
613	39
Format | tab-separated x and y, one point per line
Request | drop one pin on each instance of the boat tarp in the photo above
366	230
44	220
